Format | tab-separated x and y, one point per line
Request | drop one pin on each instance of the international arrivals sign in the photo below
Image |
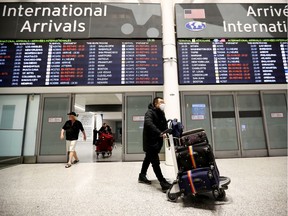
79	20
231	20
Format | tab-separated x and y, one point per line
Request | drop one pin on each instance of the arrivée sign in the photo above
79	20
231	20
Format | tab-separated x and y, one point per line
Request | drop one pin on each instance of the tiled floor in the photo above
259	187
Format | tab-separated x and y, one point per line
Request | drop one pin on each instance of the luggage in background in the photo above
104	144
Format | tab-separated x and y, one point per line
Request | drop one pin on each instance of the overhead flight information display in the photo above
233	61
80	62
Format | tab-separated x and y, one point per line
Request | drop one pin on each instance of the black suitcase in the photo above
193	137
197	156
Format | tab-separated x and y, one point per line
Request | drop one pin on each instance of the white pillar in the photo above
171	87
99	121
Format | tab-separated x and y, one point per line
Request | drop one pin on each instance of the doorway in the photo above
123	112
94	110
52	115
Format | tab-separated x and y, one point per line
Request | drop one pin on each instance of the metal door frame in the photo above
218	154
183	113
272	152
254	152
240	152
50	158
227	153
134	156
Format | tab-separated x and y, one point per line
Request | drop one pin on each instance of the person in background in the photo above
105	129
71	128
154	124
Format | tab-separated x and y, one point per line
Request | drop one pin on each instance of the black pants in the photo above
153	158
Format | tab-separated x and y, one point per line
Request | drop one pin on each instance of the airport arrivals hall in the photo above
87	89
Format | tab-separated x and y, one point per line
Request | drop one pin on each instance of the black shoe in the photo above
165	185
142	179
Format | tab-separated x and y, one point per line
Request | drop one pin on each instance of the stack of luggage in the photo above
104	144
197	169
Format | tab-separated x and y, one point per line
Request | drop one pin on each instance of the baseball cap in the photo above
72	113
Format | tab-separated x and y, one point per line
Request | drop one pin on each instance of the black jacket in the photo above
154	123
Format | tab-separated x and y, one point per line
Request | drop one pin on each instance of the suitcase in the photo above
192	157
199	181
192	137
104	143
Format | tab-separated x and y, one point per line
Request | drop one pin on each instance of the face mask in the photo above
162	107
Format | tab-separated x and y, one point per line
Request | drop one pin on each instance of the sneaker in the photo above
143	179
165	185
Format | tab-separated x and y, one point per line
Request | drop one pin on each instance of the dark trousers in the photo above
153	158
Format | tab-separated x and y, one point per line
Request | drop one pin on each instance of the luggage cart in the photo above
176	191
104	145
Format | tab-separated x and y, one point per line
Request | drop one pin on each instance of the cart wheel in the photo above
219	194
97	154
172	197
103	154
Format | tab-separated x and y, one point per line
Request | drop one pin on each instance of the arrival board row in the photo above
80	63
232	61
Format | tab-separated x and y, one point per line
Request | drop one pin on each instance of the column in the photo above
171	87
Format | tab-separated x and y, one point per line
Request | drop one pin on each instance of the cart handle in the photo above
167	131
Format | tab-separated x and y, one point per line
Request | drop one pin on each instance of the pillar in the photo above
171	87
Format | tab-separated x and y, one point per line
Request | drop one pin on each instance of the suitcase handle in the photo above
197	180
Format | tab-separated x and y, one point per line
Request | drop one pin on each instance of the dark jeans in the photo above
153	158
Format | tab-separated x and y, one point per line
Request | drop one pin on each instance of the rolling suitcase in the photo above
192	157
192	137
199	180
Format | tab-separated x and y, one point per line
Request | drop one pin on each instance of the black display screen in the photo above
233	61
80	62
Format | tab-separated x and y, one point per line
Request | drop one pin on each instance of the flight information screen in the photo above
233	61
80	62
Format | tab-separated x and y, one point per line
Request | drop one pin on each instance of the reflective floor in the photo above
86	153
259	187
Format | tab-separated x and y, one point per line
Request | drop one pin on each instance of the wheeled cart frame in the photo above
174	192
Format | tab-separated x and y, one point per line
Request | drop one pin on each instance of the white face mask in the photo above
162	107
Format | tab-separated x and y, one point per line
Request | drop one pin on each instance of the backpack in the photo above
177	127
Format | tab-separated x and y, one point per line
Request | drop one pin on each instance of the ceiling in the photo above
81	100
96	99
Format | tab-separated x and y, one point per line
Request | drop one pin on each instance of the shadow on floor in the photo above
6	162
204	201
